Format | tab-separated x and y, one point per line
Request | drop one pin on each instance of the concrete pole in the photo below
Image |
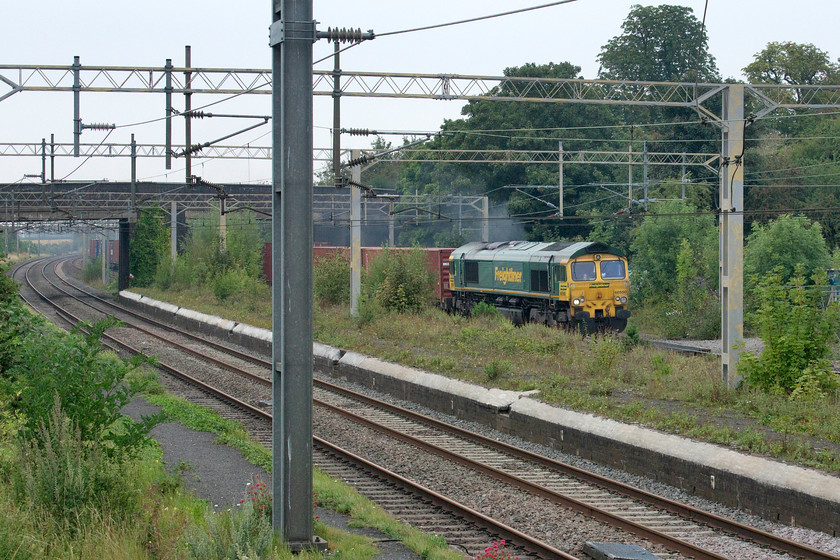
560	164
485	221
630	178
292	34
732	232
391	223
222	225
173	231
355	236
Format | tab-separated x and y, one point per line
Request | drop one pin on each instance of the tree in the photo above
785	243
660	43
657	243
791	63
149	243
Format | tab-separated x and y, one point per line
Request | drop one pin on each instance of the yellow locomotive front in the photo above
598	290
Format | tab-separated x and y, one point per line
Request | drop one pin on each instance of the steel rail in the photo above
755	535
531	544
521	539
749	533
166	367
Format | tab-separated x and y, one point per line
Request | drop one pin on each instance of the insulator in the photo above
195	148
99	126
357	131
196	114
358	161
344	35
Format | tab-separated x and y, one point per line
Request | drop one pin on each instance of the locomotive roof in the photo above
533	250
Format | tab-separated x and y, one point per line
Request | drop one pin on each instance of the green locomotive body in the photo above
567	283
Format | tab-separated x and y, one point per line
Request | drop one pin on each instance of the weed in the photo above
496	369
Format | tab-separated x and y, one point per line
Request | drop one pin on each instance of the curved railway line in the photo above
614	509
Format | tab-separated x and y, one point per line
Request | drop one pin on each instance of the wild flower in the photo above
496	551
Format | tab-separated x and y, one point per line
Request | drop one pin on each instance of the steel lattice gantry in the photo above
763	99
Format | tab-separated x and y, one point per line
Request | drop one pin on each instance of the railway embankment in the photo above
771	489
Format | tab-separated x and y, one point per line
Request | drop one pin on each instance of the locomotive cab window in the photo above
560	273
539	281
612	270
471	272
582	271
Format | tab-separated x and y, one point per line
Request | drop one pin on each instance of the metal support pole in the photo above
645	172
291	36
173	231
52	158
485	222
77	119
336	116
43	160
168	112
560	164
684	176
132	209
732	232
187	109
355	236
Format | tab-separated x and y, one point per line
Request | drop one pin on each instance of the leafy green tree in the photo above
694	307
149	243
796	329
785	243
660	43
657	243
791	63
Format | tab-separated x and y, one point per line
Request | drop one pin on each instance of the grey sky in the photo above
235	35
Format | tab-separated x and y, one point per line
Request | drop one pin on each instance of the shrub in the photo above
88	384
231	282
92	271
796	330
484	309
399	280
332	279
65	475
693	309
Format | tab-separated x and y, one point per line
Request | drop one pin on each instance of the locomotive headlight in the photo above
617	298
623	299
577	301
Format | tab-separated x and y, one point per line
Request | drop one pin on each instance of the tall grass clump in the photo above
60	472
331	283
398	281
92	271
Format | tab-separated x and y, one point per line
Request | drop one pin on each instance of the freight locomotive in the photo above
578	284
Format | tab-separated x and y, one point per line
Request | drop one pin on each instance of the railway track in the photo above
680	531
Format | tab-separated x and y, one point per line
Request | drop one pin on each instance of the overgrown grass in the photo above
331	493
630	383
